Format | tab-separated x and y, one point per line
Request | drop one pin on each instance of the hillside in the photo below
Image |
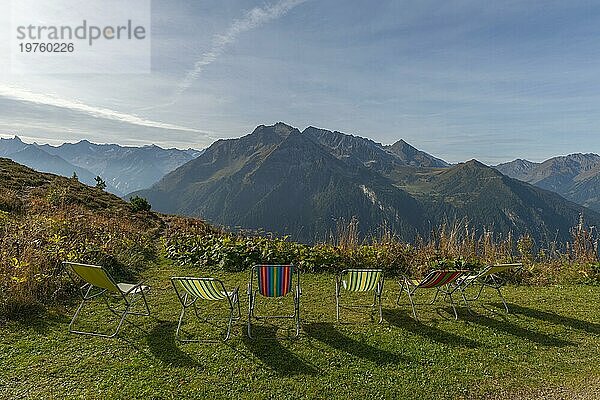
124	169
47	219
24	190
300	183
574	177
482	196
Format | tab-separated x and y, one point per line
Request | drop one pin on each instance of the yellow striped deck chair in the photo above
359	280
98	283
189	290
489	277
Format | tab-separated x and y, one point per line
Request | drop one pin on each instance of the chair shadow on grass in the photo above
163	346
326	333
553	318
402	320
366	313
275	356
510	328
40	320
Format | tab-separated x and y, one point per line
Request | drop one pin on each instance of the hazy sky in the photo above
458	79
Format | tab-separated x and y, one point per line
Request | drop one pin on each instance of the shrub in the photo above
34	246
448	247
9	201
138	204
100	184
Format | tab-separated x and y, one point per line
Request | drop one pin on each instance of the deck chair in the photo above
440	280
190	290
486	277
97	283
274	282
359	280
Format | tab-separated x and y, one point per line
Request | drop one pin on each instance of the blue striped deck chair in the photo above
274	282
190	290
440	280
97	283
486	277
359	280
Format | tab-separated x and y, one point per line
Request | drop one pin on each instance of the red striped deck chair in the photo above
486	277
359	280
274	282
97	283
440	280
190	290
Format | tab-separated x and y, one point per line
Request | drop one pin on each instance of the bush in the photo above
448	247
100	183
34	247
9	201
229	252
138	204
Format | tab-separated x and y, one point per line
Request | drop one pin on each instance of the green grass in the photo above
551	343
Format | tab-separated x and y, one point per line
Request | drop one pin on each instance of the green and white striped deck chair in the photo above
440	280
359	280
486	277
274	282
190	290
97	283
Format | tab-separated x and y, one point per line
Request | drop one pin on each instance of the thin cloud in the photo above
18	94
253	19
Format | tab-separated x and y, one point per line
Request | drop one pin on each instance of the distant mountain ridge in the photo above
124	169
286	181
415	157
576	176
39	160
300	183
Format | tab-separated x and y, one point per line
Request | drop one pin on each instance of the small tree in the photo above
100	184
139	204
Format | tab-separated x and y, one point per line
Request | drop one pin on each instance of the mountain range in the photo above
285	181
576	177
124	169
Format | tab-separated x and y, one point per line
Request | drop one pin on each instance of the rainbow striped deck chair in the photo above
274	282
359	280
190	290
97	283
440	280
490	277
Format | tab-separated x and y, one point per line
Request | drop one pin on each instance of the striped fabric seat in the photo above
274	280
190	290
203	288
439	278
359	280
356	280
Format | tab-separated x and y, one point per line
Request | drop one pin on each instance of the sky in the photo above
492	81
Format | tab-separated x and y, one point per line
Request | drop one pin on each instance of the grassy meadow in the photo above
547	347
